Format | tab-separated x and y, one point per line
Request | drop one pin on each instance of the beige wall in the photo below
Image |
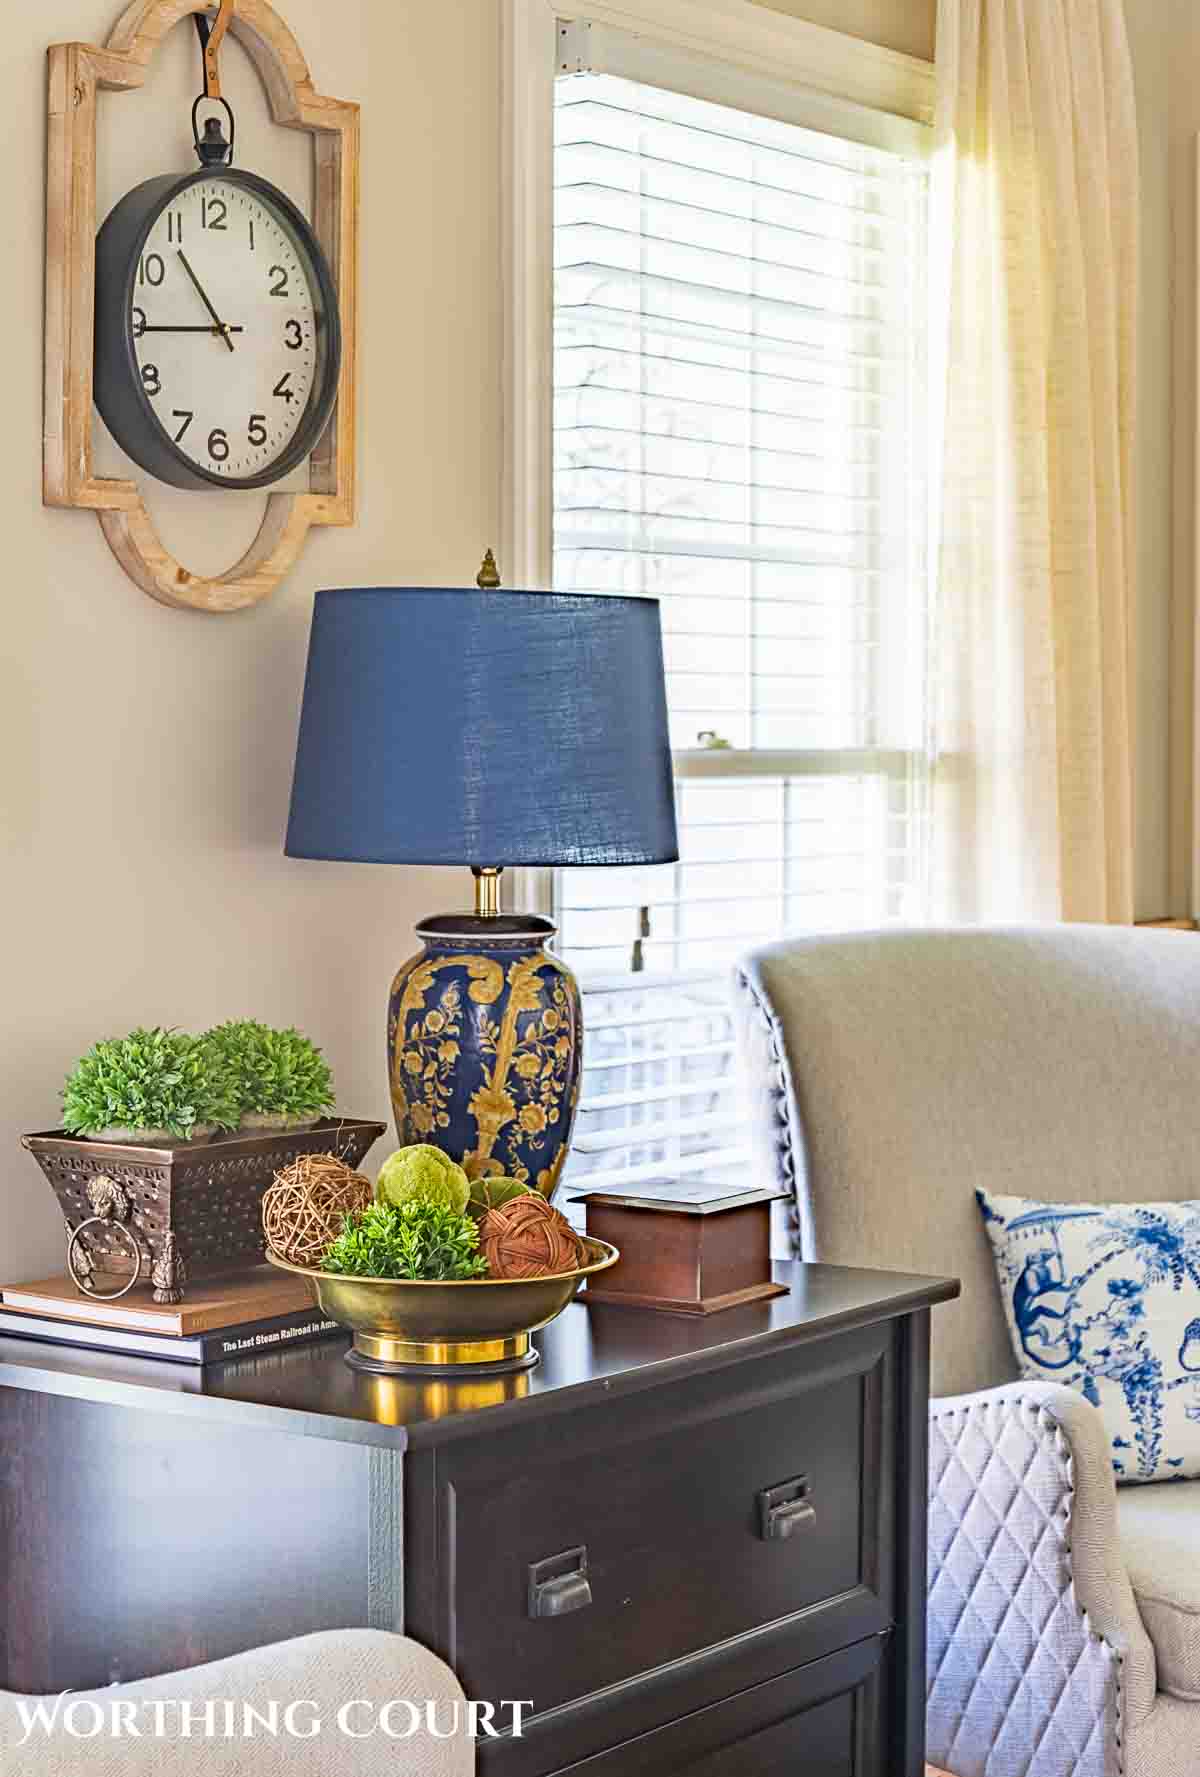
906	25
1179	102
147	752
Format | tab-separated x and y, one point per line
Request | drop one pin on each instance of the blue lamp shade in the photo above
447	726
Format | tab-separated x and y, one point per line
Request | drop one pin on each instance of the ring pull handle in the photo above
785	1510
83	1267
559	1584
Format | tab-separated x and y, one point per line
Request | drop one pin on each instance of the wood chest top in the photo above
588	1353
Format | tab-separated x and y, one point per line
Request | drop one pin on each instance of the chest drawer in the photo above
740	1512
823	1721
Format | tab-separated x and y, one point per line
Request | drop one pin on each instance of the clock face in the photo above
224	321
217	345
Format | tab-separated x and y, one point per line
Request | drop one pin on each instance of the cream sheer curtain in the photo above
1036	252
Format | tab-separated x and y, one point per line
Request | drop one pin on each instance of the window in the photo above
738	429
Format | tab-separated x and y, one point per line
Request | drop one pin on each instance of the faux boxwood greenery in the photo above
419	1240
150	1080
276	1072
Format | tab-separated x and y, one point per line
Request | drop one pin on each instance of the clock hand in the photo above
221	327
152	327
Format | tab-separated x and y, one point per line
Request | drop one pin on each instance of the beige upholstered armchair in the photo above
348	1693
893	1073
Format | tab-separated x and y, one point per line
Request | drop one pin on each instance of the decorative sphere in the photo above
423	1174
304	1210
489	1192
527	1237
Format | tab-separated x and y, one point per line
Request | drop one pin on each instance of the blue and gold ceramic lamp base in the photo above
485	1042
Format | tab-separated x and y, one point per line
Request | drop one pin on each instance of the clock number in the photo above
174	226
151	381
283	388
293	335
218	445
257	431
181	413
280	286
152	269
252	234
139	322
212	212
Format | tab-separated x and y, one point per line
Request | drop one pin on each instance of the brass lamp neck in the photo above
487	889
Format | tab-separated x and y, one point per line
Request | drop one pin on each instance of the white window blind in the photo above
738	430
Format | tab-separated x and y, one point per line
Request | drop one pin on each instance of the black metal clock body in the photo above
218	343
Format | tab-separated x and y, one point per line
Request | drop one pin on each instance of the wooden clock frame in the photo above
76	72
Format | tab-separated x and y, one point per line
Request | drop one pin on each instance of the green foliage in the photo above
422	1173
490	1193
277	1072
418	1240
151	1079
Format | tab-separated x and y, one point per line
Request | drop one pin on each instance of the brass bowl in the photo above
474	1325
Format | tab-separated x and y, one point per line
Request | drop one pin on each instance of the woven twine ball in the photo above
303	1210
527	1237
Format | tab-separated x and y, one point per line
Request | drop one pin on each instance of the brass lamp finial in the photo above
488	577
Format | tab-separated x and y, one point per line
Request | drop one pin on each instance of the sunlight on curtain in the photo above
1035	266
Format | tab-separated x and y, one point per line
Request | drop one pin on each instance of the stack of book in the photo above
258	1311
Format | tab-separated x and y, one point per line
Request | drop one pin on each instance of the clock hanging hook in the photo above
212	147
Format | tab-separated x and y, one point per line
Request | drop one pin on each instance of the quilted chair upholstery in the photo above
322	1674
891	1075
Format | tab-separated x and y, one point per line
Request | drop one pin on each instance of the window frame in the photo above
827	70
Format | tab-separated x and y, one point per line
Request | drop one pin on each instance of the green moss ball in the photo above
423	1174
490	1193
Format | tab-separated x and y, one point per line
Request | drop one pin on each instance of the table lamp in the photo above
488	728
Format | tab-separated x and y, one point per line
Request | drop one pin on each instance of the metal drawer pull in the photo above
785	1510
559	1584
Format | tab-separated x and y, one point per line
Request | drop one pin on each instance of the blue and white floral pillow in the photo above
1106	1298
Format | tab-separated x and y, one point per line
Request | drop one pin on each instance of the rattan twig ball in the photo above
303	1210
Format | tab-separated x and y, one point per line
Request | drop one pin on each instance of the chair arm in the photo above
336	1684
1035	1640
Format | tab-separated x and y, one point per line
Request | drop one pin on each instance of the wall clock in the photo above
218	343
210	320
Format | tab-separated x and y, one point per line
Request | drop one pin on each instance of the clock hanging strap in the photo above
212	148
212	34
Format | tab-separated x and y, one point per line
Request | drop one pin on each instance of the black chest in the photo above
693	1547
